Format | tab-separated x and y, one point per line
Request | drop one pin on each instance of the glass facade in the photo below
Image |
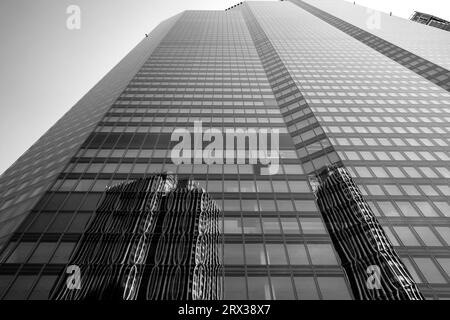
258	65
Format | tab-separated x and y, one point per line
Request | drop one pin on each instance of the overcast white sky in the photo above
46	68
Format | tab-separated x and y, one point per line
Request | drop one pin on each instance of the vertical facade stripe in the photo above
287	94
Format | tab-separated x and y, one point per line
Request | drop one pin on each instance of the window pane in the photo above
42	289
249	205
41	222
21	253
20	288
233	254
305	205
251	225
79	223
235	288
258	288
428	236
293	169
412	172
445	264
388	209
73	202
282	288
232	225
68	185
411	269
280	186
333	288
271	225
297	254
363	172
214	186
306	288
312	226
267	205
411	190
426	209
396	172
255	254
263	186
444	207
375	190
231	186
276	254
100	185
379	172
299	186
245	169
444	232
406	236
428	190
390	236
285	205
5	280
322	254
63	252
84	185
247	186
429	270
43	252
407	209
393	190
231	205
60	222
290	226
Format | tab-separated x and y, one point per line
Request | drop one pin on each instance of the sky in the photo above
46	67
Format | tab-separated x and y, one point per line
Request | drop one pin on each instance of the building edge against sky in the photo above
333	98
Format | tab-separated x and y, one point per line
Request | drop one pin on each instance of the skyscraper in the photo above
333	82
